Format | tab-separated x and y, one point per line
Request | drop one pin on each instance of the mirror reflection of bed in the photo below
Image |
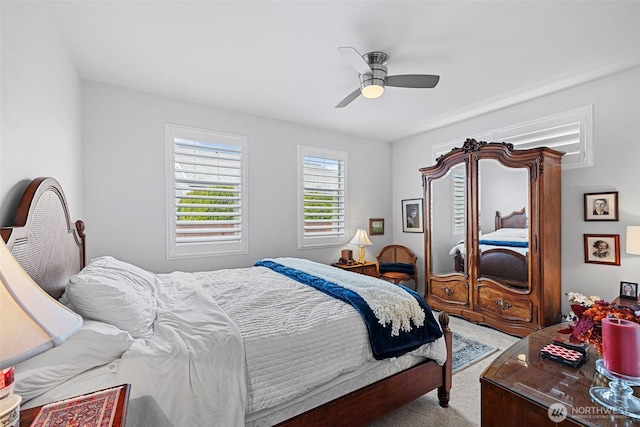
504	252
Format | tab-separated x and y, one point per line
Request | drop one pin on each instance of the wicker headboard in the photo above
43	240
516	219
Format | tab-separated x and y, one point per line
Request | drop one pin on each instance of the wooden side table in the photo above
625	301
368	268
520	388
27	416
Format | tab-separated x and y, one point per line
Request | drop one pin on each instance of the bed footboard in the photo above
444	390
505	266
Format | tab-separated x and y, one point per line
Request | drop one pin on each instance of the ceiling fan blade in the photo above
413	80
353	95
355	59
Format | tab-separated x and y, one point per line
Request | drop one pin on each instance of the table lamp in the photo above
31	322
361	239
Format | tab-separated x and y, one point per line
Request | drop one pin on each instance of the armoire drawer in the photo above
508	306
450	291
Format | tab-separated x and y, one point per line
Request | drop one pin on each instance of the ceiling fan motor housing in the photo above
377	62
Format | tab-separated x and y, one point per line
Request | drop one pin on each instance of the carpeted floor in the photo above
464	406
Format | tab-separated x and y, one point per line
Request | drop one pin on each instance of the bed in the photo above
193	382
504	252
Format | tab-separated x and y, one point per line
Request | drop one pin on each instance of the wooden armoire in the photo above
492	235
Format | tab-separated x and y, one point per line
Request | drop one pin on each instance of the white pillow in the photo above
117	293
95	344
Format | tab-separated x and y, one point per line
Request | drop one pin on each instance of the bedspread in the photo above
295	337
398	320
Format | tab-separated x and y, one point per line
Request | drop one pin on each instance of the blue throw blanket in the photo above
505	243
383	344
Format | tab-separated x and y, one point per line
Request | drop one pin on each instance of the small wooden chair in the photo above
396	263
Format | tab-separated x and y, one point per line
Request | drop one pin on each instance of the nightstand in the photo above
27	416
368	268
625	301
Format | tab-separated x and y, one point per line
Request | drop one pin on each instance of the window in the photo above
205	192
321	197
459	201
570	132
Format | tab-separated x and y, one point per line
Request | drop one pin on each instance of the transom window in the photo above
570	132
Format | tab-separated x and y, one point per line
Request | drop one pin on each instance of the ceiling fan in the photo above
372	71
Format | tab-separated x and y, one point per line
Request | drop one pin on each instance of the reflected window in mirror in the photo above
448	221
459	199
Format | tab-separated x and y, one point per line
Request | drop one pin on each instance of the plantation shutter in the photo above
565	138
322	189
570	132
323	197
207	193
459	201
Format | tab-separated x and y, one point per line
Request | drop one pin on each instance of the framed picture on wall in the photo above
376	226
629	290
601	206
602	249
412	216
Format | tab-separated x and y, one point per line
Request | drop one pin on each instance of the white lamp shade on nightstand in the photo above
361	239
31	322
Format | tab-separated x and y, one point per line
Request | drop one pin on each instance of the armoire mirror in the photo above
503	234
448	220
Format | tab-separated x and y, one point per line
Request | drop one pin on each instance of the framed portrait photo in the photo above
601	206
602	249
376	226
412	216
629	290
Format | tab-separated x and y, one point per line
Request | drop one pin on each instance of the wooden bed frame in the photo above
50	249
501	264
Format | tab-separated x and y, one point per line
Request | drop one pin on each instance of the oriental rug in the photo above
467	351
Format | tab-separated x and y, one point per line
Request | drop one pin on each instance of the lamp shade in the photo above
633	239
361	238
31	322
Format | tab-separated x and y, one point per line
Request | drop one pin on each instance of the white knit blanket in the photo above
390	303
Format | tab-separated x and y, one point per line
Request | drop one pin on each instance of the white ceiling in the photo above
279	59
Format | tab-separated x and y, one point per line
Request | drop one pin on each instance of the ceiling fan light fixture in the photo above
372	90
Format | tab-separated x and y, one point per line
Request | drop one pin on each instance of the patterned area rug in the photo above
467	351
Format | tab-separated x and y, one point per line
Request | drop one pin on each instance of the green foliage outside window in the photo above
219	203
317	200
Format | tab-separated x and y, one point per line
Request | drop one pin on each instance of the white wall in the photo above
41	109
124	176
616	106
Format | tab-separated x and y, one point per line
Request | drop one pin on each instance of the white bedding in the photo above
322	338
193	364
225	344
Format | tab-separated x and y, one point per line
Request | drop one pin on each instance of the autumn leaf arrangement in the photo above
587	313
